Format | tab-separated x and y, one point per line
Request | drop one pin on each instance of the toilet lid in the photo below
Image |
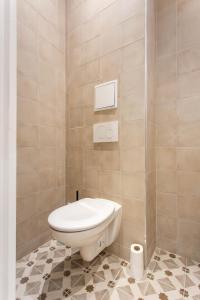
81	215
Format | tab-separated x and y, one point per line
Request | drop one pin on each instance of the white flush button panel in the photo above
105	132
106	96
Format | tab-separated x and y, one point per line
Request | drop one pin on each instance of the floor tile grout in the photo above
120	280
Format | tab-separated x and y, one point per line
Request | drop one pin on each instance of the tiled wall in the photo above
41	118
105	41
150	129
178	126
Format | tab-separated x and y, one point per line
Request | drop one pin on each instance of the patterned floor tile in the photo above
53	272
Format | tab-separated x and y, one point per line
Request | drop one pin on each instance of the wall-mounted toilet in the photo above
88	224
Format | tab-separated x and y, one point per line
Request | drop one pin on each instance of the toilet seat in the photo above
82	215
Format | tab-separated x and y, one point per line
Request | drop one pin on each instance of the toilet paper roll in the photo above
137	261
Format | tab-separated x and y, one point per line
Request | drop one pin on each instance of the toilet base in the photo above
89	252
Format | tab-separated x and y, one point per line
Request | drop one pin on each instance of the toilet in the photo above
90	224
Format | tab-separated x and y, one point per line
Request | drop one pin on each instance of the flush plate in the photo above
105	132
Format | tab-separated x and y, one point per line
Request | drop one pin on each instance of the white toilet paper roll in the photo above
137	261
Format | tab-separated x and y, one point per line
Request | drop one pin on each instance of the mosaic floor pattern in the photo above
51	272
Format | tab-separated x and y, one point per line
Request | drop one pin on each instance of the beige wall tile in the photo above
89	116
111	16
188	22
47	178
28	111
188	159
88	137
107	115
109	159
75	158
167	204
133	160
168	244
76	56
166	158
44	197
47	136
27	14
188	183
132	8
133	184
87	95
47	115
50	54
75	117
91	50
91	179
133	55
166	69
48	10
47	157
91	28
132	79
27	230
91	72
48	31
46	74
75	137
167	91
132	134
131	232
189	231
188	84
188	208
75	177
26	207
189	247
166	135
188	60
166	113
27	136
164	5
133	29
103	42
133	210
177	107
26	87
60	155
132	108
60	176
42	222
111	40
167	227
74	94
26	63
26	38
92	159
110	182
27	160
166	18
188	110
110	66
166	181
189	134
47	94
41	119
27	184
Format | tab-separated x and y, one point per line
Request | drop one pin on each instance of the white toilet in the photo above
88	224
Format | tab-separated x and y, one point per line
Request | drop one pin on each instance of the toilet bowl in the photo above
88	224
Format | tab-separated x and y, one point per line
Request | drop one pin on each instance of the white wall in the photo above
7	148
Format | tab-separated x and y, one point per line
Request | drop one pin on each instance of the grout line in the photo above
147	281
